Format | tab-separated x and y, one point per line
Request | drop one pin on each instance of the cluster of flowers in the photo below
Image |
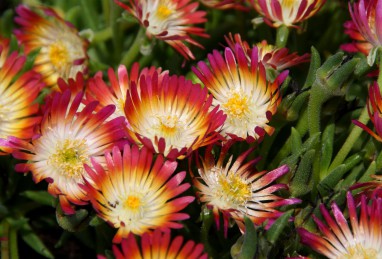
116	143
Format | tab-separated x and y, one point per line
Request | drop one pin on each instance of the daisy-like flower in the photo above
269	55
374	105
158	245
120	82
65	141
135	192
172	116
362	239
62	53
286	12
18	109
170	21
240	88
224	4
360	44
367	19
236	190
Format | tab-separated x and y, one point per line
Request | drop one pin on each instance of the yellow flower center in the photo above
233	189
58	54
168	126
360	252
236	106
132	202
69	157
163	12
288	3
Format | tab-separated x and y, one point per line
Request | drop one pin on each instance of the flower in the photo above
135	192
172	117
66	139
18	109
170	21
374	105
158	245
120	82
62	53
242	91
286	12
269	55
367	19
236	190
360	44
362	239
224	4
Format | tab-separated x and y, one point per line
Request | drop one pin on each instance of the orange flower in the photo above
170	21
65	140
18	109
136	193
171	116
286	12
240	88
62	53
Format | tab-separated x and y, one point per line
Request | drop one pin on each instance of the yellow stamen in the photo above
289	3
359	251
69	157
164	12
234	189
132	202
58	54
168	126
236	106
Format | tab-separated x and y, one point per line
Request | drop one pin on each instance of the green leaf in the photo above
249	247
296	143
74	222
278	227
371	170
327	148
315	63
41	197
96	221
34	241
300	182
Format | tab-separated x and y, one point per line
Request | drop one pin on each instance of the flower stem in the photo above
13	247
282	36
5	242
352	138
133	52
380	71
102	35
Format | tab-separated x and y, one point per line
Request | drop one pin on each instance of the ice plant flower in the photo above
18	109
361	239
224	4
236	190
136	193
173	116
169	20
62	53
120	82
286	12
269	55
374	105
158	245
359	44
366	16
240	88
65	140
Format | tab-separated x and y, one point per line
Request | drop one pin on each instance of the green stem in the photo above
380	71
314	110
103	35
282	36
13	247
208	220
134	49
352	138
5	243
